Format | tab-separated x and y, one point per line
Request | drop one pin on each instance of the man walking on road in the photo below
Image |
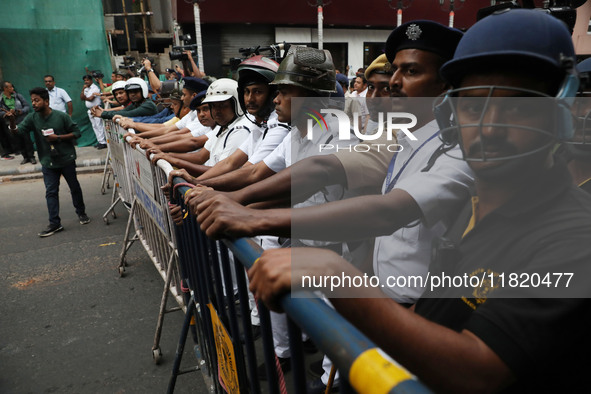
54	134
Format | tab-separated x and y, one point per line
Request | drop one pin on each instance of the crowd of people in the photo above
491	181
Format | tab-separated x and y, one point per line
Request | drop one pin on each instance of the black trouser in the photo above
5	139
17	143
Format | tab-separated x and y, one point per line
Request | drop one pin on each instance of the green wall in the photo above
58	37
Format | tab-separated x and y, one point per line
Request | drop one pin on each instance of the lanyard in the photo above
392	182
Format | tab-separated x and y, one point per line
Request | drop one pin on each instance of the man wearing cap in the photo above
137	89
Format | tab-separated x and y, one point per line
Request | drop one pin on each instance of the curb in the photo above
36	172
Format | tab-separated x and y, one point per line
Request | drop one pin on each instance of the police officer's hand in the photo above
221	216
270	277
182	173
153	151
176	213
147	144
158	156
135	140
193	196
126	123
274	273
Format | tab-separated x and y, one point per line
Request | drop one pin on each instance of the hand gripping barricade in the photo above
219	320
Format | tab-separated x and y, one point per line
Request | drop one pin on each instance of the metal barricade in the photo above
116	160
228	352
224	342
150	217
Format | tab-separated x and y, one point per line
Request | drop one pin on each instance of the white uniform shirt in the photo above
90	91
197	129
58	98
222	144
185	120
262	141
440	193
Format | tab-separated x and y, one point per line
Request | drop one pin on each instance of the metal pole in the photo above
144	25
176	33
399	17
149	13
126	27
320	19
198	40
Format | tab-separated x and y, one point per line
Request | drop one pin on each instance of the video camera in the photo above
178	53
129	63
97	74
274	53
565	10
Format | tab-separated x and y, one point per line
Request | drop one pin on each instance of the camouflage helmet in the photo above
308	68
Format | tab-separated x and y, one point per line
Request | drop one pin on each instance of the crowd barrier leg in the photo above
106	172
235	332
181	348
268	348
127	242
156	352
248	337
111	209
297	356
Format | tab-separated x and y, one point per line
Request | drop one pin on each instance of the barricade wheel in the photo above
157	355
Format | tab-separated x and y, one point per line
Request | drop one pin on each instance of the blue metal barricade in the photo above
361	364
217	305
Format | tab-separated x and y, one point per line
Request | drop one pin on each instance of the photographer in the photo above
153	76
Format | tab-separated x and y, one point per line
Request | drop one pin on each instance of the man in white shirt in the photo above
58	98
91	95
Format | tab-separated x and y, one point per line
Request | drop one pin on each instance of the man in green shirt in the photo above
54	133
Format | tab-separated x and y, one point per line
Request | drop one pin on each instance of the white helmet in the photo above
222	90
118	85
137	83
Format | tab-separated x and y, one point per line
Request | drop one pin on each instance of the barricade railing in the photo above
217	309
360	362
116	159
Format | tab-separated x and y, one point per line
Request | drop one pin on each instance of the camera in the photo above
178	53
273	52
97	74
186	38
565	10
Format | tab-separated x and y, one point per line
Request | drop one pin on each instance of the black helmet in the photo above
308	68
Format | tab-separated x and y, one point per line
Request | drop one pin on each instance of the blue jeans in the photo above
51	177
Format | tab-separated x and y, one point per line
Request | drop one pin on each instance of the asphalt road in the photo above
68	322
